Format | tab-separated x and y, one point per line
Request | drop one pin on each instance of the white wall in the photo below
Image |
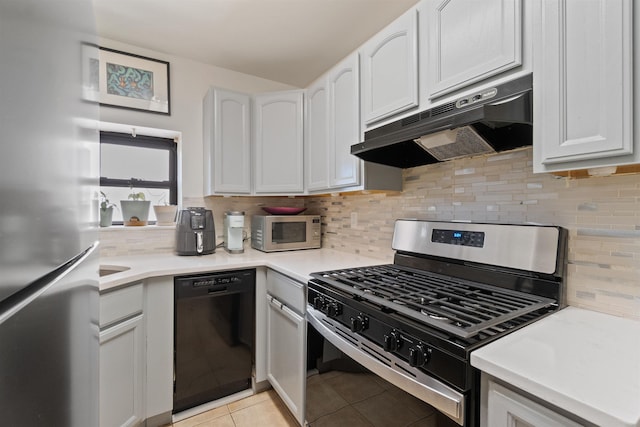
189	81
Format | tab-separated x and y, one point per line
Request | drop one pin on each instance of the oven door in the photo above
349	378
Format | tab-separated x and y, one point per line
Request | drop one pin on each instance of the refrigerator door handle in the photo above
15	302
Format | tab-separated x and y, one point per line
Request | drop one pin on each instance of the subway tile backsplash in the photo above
602	215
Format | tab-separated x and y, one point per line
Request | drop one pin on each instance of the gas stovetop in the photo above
461	307
464	279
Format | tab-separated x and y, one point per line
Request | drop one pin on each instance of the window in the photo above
147	163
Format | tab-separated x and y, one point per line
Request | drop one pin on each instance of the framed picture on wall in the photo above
118	79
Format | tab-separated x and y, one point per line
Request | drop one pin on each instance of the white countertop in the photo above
585	362
296	264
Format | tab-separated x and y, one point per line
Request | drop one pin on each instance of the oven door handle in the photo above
442	397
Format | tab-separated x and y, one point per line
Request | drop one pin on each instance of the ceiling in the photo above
289	41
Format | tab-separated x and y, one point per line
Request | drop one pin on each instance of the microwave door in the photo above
289	232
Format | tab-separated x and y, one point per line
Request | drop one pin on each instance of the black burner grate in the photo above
461	307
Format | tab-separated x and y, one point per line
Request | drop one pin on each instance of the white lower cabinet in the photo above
122	357
507	408
136	354
158	313
286	341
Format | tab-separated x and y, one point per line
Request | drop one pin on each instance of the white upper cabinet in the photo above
332	126
470	40
227	143
390	69
583	84
344	122
278	142
317	135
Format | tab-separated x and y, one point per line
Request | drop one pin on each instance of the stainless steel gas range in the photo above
452	288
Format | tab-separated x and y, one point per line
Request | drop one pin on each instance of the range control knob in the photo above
419	355
334	309
318	303
392	341
359	323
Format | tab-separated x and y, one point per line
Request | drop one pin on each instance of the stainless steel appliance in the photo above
214	335
492	119
271	233
195	232
452	288
234	232
48	217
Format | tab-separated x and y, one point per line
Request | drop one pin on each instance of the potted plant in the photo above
106	210
135	211
165	213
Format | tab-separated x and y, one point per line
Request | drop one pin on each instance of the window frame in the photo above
144	141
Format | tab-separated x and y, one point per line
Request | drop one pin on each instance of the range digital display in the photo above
458	237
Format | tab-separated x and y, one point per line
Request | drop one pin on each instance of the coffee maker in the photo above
234	232
195	232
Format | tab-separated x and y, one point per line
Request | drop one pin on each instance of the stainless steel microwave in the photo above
271	233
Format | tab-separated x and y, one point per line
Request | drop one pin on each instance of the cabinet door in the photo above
278	142
286	355
122	374
582	83
390	69
317	136
507	408
344	122
227	157
159	301
469	41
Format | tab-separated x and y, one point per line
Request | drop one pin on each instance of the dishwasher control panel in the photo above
223	281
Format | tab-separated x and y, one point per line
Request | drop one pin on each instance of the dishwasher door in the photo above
214	336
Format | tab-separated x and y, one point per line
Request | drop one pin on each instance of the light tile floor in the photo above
334	399
262	409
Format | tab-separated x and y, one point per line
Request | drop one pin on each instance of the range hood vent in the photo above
494	119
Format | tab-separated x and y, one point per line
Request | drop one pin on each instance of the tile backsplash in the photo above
602	215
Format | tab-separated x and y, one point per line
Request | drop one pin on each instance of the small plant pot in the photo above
135	212
165	214
106	217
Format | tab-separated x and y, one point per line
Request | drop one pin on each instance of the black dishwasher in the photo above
214	318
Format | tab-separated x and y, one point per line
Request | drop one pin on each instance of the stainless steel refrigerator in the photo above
48	216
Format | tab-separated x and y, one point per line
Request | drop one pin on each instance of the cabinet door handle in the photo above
292	315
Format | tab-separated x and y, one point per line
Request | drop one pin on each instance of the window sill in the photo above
122	228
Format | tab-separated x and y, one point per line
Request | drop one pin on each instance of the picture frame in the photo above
118	79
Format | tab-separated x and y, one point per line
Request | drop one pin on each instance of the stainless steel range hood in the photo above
490	120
